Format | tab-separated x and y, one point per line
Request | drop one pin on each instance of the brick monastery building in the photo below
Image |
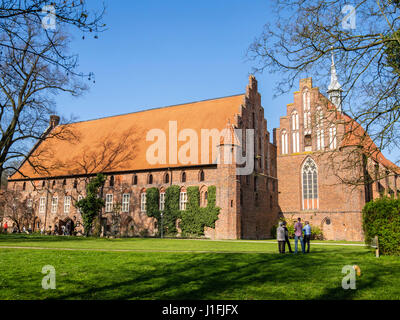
299	174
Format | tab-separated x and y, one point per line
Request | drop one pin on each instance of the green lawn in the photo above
188	269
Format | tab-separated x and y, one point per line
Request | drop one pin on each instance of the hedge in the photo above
381	218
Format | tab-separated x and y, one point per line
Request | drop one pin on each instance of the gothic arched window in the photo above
310	185
183	177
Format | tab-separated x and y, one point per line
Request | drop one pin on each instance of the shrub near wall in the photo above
381	217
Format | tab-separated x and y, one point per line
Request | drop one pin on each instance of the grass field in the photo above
188	269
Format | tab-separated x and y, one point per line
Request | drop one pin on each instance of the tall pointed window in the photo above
109	202
310	185
67	204
284	142
295	120
125	202
143	202
42	205
320	129
307	111
332	137
306	100
162	201
295	132
182	200
296	142
54	204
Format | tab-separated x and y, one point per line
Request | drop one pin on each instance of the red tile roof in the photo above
69	157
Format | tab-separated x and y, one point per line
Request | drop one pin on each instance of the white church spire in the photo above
335	89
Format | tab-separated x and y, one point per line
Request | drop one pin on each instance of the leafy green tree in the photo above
91	205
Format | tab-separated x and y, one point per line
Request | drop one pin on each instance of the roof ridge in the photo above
157	108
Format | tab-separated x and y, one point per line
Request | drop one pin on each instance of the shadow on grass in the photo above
233	276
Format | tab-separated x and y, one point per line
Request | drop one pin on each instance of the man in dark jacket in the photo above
287	237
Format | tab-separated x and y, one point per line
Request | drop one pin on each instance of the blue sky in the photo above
157	53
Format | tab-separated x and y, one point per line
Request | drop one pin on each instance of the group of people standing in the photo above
67	230
282	235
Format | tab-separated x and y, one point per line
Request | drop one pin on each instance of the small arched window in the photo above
310	185
112	181
64	182
183	177
43	184
134	179
150	179
201	175
54	183
166	178
24	186
75	184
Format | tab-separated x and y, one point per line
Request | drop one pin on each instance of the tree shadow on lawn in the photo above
236	276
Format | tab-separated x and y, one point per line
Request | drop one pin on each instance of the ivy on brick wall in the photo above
195	218
171	212
152	200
